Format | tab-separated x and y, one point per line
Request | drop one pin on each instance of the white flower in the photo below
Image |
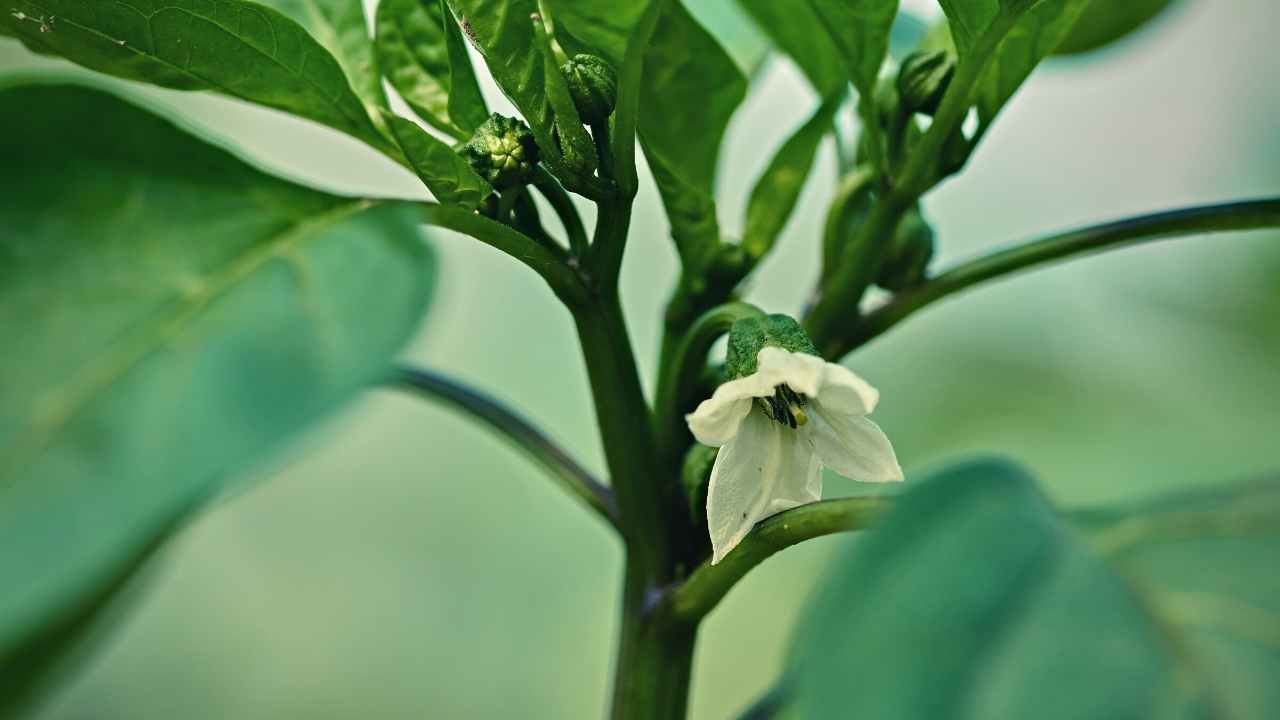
776	429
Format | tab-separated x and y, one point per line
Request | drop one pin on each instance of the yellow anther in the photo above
798	414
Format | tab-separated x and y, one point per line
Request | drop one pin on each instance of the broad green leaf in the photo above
169	316
340	26
975	599
1033	38
600	28
446	173
1103	23
968	18
690	90
778	189
797	30
422	53
238	48
735	31
1035	34
860	31
502	30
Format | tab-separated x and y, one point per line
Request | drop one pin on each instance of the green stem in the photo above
563	206
832	316
575	479
695	597
1247	215
654	659
566	283
681	370
600	135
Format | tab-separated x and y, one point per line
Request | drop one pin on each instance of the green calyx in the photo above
923	80
909	254
749	336
502	151
593	85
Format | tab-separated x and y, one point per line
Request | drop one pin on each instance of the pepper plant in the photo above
173	315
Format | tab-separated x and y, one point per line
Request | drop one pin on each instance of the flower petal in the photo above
766	469
801	372
852	445
843	391
715	421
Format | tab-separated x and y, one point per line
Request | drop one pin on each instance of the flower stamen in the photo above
785	406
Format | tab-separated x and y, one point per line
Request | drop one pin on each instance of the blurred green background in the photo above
404	563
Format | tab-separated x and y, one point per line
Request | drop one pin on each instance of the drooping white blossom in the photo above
776	428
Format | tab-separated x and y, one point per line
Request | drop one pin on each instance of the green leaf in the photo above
238	48
1033	35
691	88
340	26
967	19
1033	38
975	599
777	190
423	55
169	316
860	30
1104	23
576	146
446	173
797	30
591	26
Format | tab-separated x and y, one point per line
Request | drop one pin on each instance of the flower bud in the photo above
909	255
502	151
749	336
695	475
923	80
593	85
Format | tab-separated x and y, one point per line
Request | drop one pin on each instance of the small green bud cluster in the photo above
909	253
923	80
593	85
502	151
749	336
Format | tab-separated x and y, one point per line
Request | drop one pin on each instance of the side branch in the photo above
570	475
564	281
1247	215
699	594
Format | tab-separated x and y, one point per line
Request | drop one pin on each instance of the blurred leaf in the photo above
975	599
860	30
446	173
423	55
1040	30
778	189
734	30
238	48
596	27
1034	36
503	33
798	31
340	26
1104	23
691	88
968	18
169	316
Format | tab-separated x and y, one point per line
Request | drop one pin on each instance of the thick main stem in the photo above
651	675
654	659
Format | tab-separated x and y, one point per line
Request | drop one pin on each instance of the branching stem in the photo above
574	478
